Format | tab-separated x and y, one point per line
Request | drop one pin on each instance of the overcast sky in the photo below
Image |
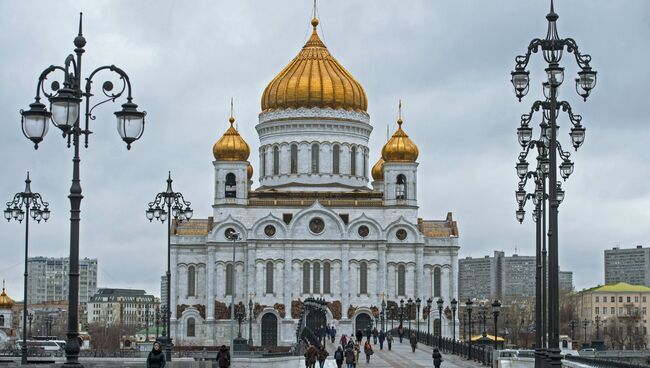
449	61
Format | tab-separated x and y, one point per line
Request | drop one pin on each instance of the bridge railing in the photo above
603	363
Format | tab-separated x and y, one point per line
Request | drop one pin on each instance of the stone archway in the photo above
362	322
269	330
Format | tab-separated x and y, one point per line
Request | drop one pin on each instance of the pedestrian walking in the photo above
368	333
382	337
349	356
344	340
389	340
414	341
437	358
357	352
375	334
156	358
322	356
359	336
400	332
311	356
338	357
223	357
367	348
333	334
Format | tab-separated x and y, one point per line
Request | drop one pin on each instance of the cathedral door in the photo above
363	323
315	320
269	330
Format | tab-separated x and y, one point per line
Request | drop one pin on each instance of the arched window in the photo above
2	321
229	279
316	278
231	186
353	161
363	278
276	160
326	278
191	327
365	163
191	281
263	161
269	277
436	282
400	187
314	158
401	280
336	158
294	158
305	277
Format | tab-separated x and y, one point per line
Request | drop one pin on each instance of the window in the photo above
436	282
276	160
644	311
597	299
401	280
365	163
229	279
326	278
336	158
611	299
316	278
2	321
294	158
314	158
604	310
620	311
636	299
629	299
305	278
263	160
269	277
191	327
620	299
612	310
353	161
400	188
191	281
597	311
231	186
644	299
363	278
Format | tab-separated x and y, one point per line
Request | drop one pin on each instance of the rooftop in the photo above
621	287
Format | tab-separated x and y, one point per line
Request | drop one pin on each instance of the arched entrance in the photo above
363	322
269	330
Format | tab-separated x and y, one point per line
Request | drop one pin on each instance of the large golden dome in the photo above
231	146
378	170
314	79
400	147
5	300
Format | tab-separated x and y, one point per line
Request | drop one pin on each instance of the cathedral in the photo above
317	226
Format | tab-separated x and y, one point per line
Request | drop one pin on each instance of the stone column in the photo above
251	273
345	272
210	296
173	290
419	273
381	272
288	280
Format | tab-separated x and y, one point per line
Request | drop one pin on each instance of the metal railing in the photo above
603	363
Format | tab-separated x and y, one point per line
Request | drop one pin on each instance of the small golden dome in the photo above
249	171
5	301
378	170
400	147
314	79
231	146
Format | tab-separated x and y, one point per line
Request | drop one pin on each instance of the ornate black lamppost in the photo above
440	302
496	309
418	304
383	313
168	205
157	320
250	319
454	306
146	322
24	205
468	307
573	325
585	324
240	315
429	302
552	47
30	317
65	105
482	309
598	322
401	313
410	308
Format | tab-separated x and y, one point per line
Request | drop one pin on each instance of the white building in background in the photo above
128	307
48	279
314	227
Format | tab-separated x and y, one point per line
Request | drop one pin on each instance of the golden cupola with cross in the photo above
5	301
231	146
314	78
400	148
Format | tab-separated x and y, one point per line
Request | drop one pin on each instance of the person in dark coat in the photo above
349	355
400	332
359	336
375	334
156	358
333	334
367	348
311	356
368	333
223	357
338	357
382	337
414	342
437	358
389	340
322	356
344	340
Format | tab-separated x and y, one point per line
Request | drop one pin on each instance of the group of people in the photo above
156	358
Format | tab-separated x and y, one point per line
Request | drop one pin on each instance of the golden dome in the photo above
314	79
5	300
400	147
378	170
231	146
249	171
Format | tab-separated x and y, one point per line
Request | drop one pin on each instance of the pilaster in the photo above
345	277
288	280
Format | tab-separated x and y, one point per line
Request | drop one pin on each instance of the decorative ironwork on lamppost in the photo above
585	324
157	320
552	47
168	205
418	304
250	319
240	315
598	322
401	313
429	303
468	307
232	234
146	322
482	310
410	309
65	113
383	313
440	302
496	309
573	325
30	317
454	306
24	205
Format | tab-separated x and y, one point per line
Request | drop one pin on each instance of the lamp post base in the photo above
554	358
240	344
166	344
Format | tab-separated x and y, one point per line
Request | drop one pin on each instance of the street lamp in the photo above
429	302
482	309
240	315
440	302
598	322
250	319
496	309
573	324
552	47
383	313
585	324
418	303
454	306
233	235
24	205
468	307
168	205
392	317
65	103
401	313
410	307
30	317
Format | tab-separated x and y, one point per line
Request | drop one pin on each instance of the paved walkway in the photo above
401	356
